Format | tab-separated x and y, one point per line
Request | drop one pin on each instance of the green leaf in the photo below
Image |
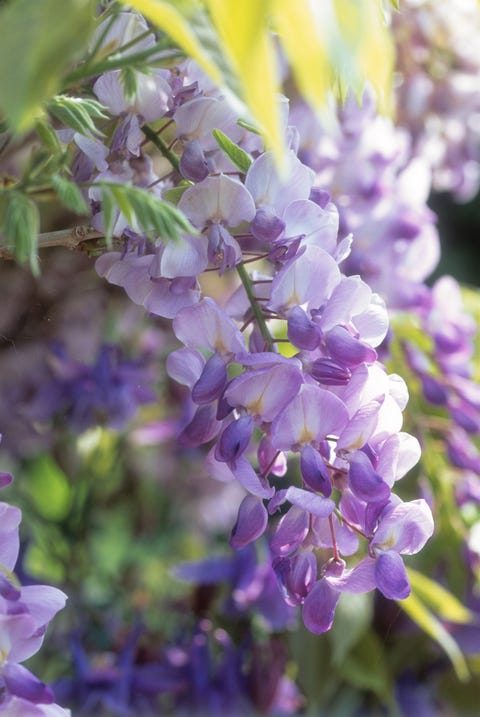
248	126
230	41
438	598
244	33
78	113
48	136
108	211
143	211
366	668
49	489
236	155
39	40
20	222
337	45
174	18
352	619
420	614
175	194
69	194
128	78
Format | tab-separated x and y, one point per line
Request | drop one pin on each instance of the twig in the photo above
69	238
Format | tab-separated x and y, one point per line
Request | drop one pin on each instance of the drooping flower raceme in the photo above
24	616
323	415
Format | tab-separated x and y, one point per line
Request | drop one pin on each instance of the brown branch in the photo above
69	238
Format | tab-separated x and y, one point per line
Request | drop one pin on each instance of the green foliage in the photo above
365	667
352	619
236	155
432	626
174	194
48	136
342	45
438	598
69	194
48	489
143	211
38	43
248	126
19	223
77	113
128	78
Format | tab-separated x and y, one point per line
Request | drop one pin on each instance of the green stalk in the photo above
160	144
116	63
257	312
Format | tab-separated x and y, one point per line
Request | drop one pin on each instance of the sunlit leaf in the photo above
309	58
38	42
365	49
174	19
336	44
438	598
344	43
243	28
235	153
49	489
420	614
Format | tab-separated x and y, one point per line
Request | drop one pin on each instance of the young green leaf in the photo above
108	210
77	113
48	135
20	225
69	194
143	210
236	155
174	194
128	78
248	126
48	488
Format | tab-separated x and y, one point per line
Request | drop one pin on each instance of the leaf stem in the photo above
160	144
257	311
116	62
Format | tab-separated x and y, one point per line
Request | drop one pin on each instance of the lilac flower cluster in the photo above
107	392
25	612
446	372
331	408
396	247
438	92
383	203
203	672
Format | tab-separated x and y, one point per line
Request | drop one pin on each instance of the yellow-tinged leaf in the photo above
243	29
175	23
438	598
336	44
417	611
309	58
35	52
366	48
